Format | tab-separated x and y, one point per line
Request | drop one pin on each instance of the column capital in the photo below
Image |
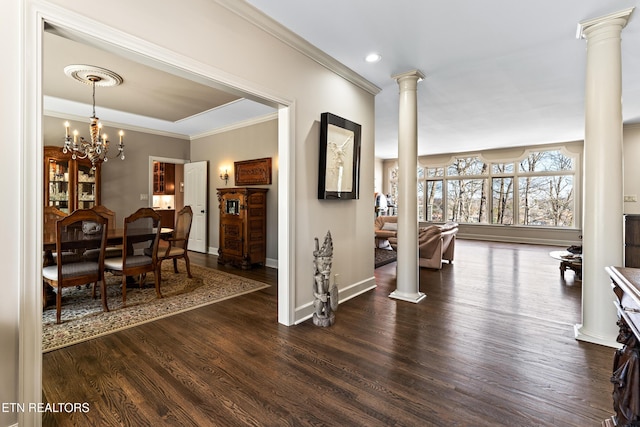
417	74
620	18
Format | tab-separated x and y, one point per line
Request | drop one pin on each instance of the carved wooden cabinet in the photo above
243	226
69	184
626	362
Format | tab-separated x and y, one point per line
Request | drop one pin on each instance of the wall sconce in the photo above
224	175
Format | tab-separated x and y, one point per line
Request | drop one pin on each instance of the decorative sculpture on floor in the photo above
326	295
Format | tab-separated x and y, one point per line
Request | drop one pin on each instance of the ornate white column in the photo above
602	227
407	277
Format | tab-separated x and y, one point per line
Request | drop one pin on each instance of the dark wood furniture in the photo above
69	184
114	237
626	362
111	250
73	236
243	226
139	249
178	242
568	261
632	241
167	217
164	178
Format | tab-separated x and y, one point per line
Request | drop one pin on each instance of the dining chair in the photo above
50	216
139	249
178	242
82	230
111	251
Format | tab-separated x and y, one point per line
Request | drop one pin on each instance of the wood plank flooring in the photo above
491	345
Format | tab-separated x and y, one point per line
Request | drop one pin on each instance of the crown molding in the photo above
282	33
150	131
238	125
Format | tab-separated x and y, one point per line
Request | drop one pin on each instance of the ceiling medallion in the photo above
97	148
87	73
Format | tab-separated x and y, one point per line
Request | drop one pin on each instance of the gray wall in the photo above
222	150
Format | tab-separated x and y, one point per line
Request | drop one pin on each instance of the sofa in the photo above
385	227
435	242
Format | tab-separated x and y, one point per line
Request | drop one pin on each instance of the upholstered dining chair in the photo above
139	249
178	242
110	251
80	231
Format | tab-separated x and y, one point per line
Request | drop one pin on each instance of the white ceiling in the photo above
498	73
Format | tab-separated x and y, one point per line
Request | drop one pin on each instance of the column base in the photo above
582	335
414	298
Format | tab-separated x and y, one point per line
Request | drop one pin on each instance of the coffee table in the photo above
568	261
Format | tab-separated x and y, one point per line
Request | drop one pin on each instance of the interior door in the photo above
195	195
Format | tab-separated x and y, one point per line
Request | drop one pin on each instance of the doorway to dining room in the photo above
116	41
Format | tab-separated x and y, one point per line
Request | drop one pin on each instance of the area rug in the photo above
385	256
83	318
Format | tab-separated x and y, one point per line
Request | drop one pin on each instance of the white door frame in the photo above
161	160
35	13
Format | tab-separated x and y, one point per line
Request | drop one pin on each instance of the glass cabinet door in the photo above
58	173
86	186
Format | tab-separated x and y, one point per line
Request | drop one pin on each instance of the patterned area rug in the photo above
385	256
83	318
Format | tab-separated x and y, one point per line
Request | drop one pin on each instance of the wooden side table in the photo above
568	261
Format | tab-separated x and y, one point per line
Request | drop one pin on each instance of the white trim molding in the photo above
279	31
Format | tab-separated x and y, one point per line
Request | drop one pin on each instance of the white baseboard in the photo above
305	312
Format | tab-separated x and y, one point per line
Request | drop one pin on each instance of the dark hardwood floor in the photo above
491	345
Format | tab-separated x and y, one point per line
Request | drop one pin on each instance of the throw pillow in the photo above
390	226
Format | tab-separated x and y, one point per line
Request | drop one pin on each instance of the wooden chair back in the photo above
183	227
141	237
50	216
107	213
178	242
76	233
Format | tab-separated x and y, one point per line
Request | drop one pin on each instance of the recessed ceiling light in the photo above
373	57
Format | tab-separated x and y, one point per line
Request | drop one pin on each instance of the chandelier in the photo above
97	148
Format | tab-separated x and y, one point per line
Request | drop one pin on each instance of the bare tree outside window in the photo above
435	210
546	200
537	190
467	198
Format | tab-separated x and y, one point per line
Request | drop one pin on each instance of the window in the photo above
537	190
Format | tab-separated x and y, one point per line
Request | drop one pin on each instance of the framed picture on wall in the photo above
339	168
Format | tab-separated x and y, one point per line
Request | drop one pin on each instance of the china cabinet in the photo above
69	184
243	226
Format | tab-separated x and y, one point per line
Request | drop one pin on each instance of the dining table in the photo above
115	236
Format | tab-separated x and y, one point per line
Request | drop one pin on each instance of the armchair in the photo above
178	242
436	243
